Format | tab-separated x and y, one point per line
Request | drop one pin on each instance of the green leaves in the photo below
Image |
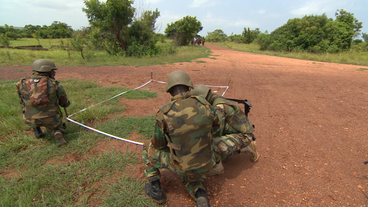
183	30
314	33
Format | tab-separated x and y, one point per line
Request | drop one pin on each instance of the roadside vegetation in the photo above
68	57
354	56
35	172
313	37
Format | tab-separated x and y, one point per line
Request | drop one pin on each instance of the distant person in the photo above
235	134
40	96
182	141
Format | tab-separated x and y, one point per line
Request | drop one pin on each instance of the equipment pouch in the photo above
38	88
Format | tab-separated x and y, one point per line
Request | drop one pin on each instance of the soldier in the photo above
40	96
181	142
235	134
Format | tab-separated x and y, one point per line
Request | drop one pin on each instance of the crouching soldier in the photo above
235	133
40	96
182	141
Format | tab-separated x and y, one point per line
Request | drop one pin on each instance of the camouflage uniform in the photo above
182	141
235	132
47	114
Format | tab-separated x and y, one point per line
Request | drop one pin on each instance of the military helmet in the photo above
178	77
200	90
43	66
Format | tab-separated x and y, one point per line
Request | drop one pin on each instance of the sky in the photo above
231	16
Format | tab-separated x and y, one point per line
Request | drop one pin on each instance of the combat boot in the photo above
38	132
60	141
218	169
252	148
202	199
154	190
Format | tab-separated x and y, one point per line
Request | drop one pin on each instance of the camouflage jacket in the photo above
185	126
55	92
233	119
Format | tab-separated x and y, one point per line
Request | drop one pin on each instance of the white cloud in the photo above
199	3
261	11
153	1
318	7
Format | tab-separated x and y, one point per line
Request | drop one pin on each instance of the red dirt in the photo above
311	125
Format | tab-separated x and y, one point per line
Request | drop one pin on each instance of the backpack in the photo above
38	88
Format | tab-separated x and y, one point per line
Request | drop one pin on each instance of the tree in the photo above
314	33
142	35
365	37
11	32
78	43
250	35
183	30
216	36
29	29
112	17
59	30
349	19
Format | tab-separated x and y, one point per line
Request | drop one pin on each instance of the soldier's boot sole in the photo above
157	197
60	141
252	149
203	202
202	198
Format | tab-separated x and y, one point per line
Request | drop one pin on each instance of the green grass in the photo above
35	172
93	58
353	56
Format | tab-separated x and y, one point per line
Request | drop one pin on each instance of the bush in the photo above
4	40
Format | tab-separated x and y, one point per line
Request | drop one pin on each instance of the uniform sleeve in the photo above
63	98
158	139
21	102
238	121
218	122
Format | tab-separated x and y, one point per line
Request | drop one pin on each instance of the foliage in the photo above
4	40
112	17
250	35
10	32
349	19
357	54
365	37
313	33
216	36
237	38
183	30
94	56
115	29
142	36
55	30
77	43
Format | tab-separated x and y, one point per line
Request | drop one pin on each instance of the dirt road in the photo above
311	123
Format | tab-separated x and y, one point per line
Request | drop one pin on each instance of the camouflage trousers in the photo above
155	160
52	123
230	144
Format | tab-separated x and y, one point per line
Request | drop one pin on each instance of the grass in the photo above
35	172
93	58
353	56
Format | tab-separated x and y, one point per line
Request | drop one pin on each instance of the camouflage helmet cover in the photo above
200	90
43	65
178	77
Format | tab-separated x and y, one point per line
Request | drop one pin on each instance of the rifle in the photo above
247	104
